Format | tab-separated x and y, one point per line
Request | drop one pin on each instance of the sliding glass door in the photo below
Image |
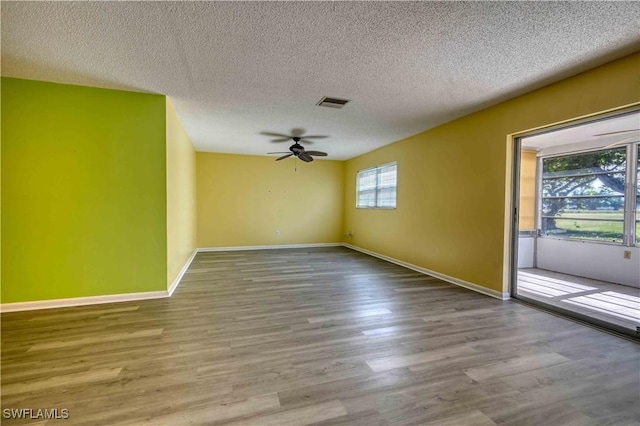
577	229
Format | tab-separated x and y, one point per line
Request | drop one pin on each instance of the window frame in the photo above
376	189
634	190
629	236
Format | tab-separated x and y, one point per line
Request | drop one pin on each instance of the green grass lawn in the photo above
578	225
594	214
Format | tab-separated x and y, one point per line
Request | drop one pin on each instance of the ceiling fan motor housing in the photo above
296	149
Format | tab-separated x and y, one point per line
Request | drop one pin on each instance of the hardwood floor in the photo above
316	336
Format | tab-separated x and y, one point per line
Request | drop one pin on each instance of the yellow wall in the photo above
528	163
452	179
0	222
244	200
181	195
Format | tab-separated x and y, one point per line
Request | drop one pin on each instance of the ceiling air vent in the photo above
332	102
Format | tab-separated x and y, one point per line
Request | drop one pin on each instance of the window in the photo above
583	195
376	187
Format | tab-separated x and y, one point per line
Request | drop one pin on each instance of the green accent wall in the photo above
84	191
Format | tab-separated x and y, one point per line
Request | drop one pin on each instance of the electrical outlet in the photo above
627	254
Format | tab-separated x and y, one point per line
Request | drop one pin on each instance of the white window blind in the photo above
376	187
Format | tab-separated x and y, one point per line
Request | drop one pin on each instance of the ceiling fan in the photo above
296	149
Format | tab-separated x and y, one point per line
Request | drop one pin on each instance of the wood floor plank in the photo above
516	365
216	413
86	313
358	314
392	362
111	337
72	379
299	416
473	418
321	336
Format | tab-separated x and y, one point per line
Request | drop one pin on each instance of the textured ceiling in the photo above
235	69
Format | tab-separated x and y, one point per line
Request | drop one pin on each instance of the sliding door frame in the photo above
516	149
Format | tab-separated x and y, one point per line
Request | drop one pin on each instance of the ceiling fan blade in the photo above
275	135
284	156
279	152
280	140
303	140
314	137
620	131
304	156
317	153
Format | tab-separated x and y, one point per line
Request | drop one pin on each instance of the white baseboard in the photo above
443	277
183	271
268	247
80	301
97	300
128	297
